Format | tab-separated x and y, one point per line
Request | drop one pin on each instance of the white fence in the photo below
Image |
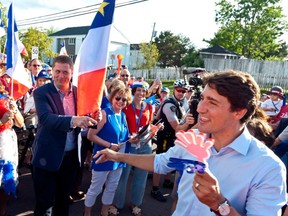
266	73
162	73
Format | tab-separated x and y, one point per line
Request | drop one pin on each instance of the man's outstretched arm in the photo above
145	162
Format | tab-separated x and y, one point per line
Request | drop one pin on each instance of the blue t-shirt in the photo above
115	130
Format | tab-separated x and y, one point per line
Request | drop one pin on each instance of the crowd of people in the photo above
244	174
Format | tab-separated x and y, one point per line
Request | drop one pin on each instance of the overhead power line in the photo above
70	13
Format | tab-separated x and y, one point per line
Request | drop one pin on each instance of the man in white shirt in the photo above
242	176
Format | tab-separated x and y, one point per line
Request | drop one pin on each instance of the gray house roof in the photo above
217	49
81	30
116	35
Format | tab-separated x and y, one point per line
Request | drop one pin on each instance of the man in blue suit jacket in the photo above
55	158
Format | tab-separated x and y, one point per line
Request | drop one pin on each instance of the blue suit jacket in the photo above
53	125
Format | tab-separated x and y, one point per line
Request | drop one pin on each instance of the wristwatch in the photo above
223	209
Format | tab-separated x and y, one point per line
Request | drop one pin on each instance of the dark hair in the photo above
238	87
121	90
64	60
259	127
157	93
134	90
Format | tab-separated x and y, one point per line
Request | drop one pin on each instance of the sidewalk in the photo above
24	203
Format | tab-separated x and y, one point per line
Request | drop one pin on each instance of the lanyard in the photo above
136	117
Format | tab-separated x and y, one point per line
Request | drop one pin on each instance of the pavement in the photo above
23	205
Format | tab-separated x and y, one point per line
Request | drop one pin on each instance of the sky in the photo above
192	18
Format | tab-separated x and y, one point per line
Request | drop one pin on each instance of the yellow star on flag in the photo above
101	8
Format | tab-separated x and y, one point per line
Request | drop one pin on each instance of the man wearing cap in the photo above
171	113
273	105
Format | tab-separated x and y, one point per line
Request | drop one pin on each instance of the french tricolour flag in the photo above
15	67
90	65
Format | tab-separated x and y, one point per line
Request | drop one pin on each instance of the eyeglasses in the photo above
179	90
35	65
124	75
119	98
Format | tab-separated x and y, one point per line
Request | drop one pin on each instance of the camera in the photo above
196	82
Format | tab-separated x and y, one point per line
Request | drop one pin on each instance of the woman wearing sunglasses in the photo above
138	114
112	132
9	115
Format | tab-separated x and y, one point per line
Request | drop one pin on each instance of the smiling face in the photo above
119	101
140	94
62	74
215	115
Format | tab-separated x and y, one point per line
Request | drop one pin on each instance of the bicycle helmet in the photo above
180	84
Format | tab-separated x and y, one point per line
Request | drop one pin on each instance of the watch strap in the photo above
217	211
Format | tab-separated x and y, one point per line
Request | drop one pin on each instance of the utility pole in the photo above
153	33
152	36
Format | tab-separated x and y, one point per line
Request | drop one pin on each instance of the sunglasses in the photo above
124	75
179	90
119	98
35	65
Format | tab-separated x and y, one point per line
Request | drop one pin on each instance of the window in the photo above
71	41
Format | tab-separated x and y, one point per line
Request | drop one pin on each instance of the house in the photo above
218	52
74	36
136	56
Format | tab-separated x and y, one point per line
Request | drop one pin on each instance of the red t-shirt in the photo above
146	117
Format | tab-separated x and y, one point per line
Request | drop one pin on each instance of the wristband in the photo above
110	145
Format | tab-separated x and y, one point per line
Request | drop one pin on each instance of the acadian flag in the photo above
90	65
20	83
63	50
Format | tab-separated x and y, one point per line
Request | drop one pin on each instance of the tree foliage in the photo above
193	59
34	37
172	49
4	21
252	28
151	55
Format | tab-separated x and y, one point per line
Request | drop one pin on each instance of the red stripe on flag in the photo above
19	89
90	91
